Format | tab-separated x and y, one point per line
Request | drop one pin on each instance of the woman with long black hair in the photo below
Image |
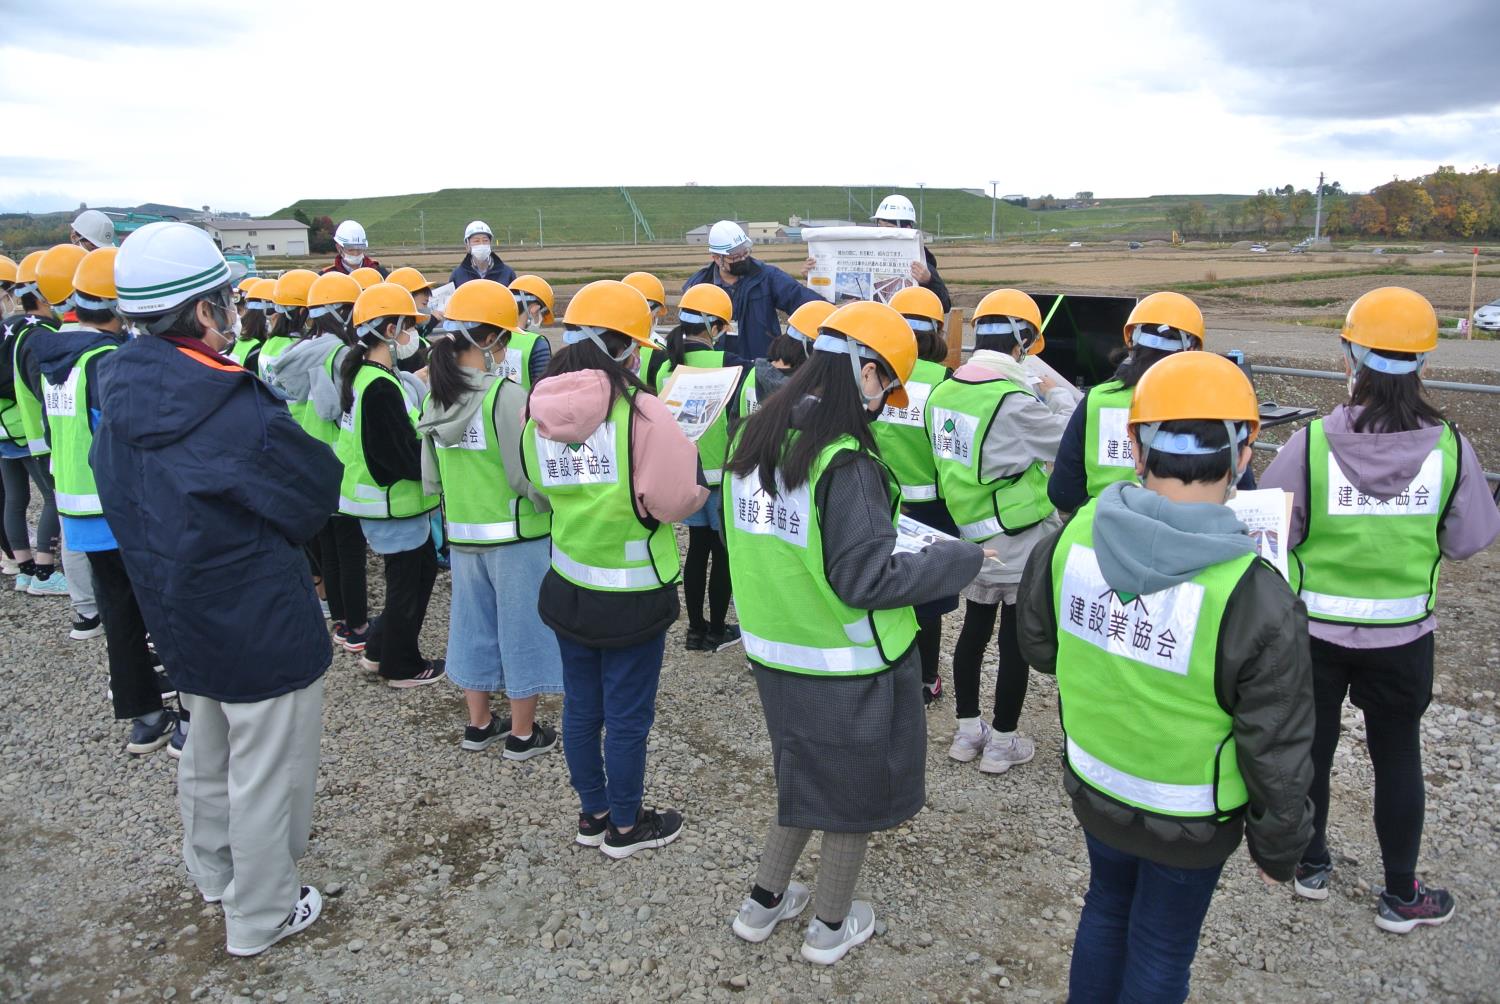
825	601
1383	490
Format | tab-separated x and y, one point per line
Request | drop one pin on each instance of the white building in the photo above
259	237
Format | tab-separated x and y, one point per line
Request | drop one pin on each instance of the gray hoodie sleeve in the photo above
1265	682
1034	607
1473	522
858	538
1288	471
510	423
1026	430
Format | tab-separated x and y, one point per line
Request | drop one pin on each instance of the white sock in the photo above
520	738
1003	736
971	726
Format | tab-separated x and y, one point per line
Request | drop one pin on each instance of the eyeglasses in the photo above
735	259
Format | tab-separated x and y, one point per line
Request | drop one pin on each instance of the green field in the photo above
602	215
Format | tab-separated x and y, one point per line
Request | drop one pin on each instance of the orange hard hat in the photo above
885	333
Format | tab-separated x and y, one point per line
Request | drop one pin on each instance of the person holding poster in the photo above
897	211
1095	451
992	435
902	437
1383	490
758	289
826	606
703	316
1184	684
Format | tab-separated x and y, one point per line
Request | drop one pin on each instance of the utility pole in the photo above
994	206
1318	213
921	191
540	241
940	226
422	227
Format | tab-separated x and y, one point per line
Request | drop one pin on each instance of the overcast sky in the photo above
250	106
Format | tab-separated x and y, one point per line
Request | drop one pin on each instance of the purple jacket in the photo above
1380	464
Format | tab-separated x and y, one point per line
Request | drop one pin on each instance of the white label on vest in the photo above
1156	629
510	366
474	437
346	420
912	413
953	435
752	397
1420	498
591	462
1114	439
755	511
61	399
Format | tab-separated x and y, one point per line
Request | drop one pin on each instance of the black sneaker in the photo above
591	829
652	829
542	740
726	637
477	740
179	739
932	691
150	738
433	670
85	628
695	641
1311	880
1427	906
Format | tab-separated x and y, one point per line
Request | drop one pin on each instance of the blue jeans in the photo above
609	690
1139	929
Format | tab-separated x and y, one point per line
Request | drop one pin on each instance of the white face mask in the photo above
406	350
480	253
354	261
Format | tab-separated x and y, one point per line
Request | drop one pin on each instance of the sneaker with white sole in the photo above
970	739
146	738
23	582
591	829
755	922
543	739
477	740
55	584
1427	906
1311	880
653	828
1001	754
178	742
9	566
825	946
85	628
432	671
309	906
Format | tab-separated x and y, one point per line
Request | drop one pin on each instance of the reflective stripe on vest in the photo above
864	658
901	434
1366	560
1172	799
1107	454
478	503
359	495
643	577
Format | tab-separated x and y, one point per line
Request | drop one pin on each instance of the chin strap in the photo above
858	355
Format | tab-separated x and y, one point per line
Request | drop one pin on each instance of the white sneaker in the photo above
970	739
755	922
9	567
825	946
1000	755
308	907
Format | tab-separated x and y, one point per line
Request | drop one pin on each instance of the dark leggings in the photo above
341	556
5	547
19	475
929	645
704	542
1393	687
1011	676
408	586
132	674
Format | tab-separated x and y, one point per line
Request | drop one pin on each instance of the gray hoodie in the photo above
1381	464
1146	542
299	374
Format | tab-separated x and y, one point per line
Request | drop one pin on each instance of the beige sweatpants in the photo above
246	783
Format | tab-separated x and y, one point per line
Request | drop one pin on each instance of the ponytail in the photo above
445	373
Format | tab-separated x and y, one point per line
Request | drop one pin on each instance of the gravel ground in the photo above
452	876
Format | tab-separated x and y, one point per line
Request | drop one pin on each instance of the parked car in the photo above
1076	244
1487	317
1135	245
1258	248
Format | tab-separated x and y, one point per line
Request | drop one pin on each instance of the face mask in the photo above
353	261
400	351
480	253
230	331
741	267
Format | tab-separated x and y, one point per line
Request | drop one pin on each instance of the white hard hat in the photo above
164	265
724	236
96	228
478	227
350	235
897	209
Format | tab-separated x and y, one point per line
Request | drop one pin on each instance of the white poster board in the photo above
1267	514
696	395
913	536
861	263
438	301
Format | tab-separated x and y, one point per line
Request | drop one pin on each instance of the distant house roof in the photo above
221	224
699	231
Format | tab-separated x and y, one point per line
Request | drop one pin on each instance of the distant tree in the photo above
1336	218
301	217
1298	205
320	237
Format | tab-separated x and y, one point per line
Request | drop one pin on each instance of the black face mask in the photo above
743	267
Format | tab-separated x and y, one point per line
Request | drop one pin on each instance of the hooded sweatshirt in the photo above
666	484
212	489
1263	677
299	374
1382	464
1026	429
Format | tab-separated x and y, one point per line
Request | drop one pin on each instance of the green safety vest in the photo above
478	503
1107	454
33	427
1367	561
315	425
517	362
790	617
901	435
959	416
270	349
749	397
664	368
359	495
598	540
242	348
72	435
1141	718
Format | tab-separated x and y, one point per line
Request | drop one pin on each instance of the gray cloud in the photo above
74	25
1355	59
1448	142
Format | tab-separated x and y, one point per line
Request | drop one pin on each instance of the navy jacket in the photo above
497	271
57	355
212	488
756	298
935	282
